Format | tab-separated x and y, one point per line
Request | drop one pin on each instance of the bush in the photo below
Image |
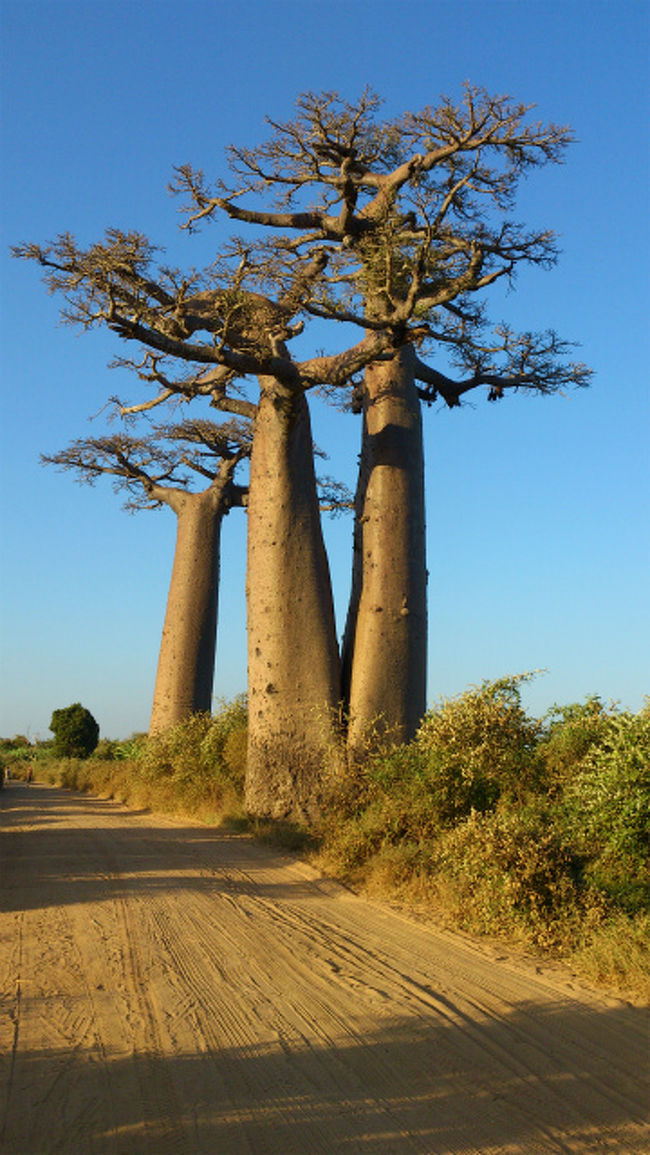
76	732
613	950
568	733
531	830
225	743
510	872
478	747
19	742
15	757
106	749
605	810
196	766
175	753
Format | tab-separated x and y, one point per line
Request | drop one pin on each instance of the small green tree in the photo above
76	732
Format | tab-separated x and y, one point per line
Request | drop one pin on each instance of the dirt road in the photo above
171	989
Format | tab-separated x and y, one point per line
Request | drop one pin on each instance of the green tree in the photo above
76	733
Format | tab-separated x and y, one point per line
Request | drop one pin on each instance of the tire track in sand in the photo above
185	990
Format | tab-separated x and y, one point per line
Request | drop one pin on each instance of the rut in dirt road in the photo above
170	988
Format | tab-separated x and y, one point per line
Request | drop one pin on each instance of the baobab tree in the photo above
155	470
412	213
199	334
396	227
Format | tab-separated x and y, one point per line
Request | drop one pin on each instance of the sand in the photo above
167	988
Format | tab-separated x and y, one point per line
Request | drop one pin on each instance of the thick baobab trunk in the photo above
187	650
293	664
384	649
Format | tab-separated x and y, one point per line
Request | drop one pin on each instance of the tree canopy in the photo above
167	458
76	733
410	219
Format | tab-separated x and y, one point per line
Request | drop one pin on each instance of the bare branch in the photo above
142	406
393	226
156	469
528	361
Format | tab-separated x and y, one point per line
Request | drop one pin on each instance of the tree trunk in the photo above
187	651
293	664
384	648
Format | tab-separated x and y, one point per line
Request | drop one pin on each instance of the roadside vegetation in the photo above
534	831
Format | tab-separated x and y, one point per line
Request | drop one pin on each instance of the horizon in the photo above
538	549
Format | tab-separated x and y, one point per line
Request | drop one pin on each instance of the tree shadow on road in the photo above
120	851
387	1094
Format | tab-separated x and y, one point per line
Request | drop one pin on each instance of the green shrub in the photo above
105	750
378	803
605	810
197	765
176	752
130	748
477	747
16	756
610	797
12	745
614	950
509	872
111	750
235	750
568	734
69	774
225	742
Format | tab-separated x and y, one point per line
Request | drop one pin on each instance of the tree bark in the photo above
293	662
187	651
385	642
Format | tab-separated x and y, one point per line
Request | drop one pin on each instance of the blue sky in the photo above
537	508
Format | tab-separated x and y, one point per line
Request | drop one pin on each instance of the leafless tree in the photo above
396	227
159	469
201	335
412	214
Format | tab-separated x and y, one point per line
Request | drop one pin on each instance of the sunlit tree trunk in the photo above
293	664
384	649
185	674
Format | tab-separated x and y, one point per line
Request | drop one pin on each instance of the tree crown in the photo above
76	733
158	465
397	226
411	214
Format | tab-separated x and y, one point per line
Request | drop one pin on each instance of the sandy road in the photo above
169	988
